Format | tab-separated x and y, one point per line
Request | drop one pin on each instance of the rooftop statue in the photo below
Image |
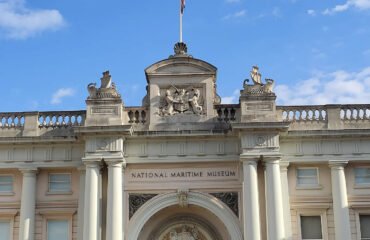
107	88
256	76
258	88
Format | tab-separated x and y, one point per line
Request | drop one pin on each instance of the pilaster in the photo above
286	201
81	202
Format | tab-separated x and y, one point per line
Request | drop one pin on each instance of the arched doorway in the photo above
203	217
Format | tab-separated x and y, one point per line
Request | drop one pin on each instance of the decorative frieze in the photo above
253	141
103	144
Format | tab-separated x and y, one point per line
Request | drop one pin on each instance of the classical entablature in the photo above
185	166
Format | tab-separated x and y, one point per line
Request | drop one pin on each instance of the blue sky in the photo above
317	51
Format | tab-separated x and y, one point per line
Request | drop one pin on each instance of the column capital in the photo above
92	162
249	159
271	158
28	171
115	162
340	164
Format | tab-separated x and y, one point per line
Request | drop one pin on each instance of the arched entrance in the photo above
164	216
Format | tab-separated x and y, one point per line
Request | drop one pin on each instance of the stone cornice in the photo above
260	126
104	130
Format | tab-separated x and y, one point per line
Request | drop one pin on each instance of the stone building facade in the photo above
185	166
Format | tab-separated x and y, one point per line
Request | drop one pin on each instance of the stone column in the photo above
28	203
91	221
251	215
81	203
275	216
286	201
114	229
340	201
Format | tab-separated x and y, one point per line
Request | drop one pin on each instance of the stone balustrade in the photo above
303	113
12	120
359	112
313	117
227	112
137	115
61	119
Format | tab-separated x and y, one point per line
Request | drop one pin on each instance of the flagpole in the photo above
180	21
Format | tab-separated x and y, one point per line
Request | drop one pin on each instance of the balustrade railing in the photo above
61	119
355	112
11	120
303	113
227	112
137	115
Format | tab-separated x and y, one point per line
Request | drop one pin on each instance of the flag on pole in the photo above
182	6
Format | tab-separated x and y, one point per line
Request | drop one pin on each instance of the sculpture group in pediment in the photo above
181	101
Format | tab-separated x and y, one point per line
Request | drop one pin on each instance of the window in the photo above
6	183
59	182
307	177
365	226
311	227
4	230
57	229
362	176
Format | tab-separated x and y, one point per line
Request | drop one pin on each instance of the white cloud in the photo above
311	12
276	12
238	14
61	93
366	52
328	88
358	4
19	22
231	99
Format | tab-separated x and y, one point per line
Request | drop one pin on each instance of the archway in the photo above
201	200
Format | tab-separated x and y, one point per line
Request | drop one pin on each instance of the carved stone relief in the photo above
138	200
103	144
260	141
177	100
182	196
231	199
184	232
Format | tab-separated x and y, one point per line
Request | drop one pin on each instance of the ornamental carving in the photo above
107	88
184	232
231	199
138	200
181	101
258	88
182	196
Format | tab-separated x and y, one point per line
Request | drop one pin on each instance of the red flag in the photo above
182	6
